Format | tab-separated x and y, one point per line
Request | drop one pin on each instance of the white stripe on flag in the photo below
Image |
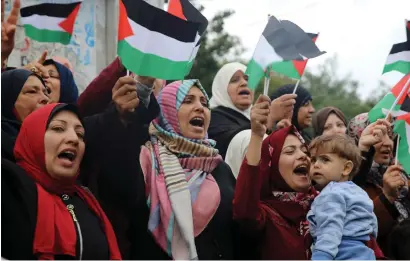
265	54
43	22
401	56
151	42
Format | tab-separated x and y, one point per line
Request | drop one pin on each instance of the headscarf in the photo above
12	82
355	129
64	61
183	195
303	96
220	96
291	205
68	88
320	118
55	233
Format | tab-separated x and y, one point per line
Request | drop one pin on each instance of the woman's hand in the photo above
283	124
392	182
259	116
282	107
373	134
8	30
124	95
37	66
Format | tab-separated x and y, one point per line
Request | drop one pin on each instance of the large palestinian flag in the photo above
402	127
153	42
295	68
50	21
399	57
185	10
381	109
280	41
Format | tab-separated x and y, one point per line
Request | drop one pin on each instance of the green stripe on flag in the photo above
44	35
255	72
400	66
286	68
404	154
385	103
145	64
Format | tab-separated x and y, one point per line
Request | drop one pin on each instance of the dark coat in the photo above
225	124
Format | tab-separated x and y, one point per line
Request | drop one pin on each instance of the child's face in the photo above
327	167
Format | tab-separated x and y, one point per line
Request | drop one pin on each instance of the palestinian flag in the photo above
399	57
402	127
50	21
381	109
186	11
280	41
295	68
153	42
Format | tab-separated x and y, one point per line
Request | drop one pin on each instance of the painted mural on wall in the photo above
81	51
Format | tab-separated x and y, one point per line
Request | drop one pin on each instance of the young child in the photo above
341	218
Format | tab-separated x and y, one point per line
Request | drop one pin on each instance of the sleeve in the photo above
386	214
330	212
365	165
247	208
98	94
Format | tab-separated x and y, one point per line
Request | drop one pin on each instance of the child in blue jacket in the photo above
341	218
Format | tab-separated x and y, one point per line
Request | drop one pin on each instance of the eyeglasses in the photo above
54	74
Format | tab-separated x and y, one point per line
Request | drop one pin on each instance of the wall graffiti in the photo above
80	52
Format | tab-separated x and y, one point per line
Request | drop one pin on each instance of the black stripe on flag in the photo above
52	10
158	20
192	14
404	46
405	106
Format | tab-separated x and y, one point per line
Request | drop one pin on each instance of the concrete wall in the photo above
92	47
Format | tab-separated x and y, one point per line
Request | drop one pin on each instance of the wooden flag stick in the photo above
397	150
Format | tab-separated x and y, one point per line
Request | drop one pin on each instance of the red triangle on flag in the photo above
399	87
68	23
404	117
175	8
124	27
300	65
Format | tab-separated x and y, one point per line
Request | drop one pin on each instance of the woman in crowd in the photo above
303	108
231	104
383	181
48	216
22	92
328	121
189	187
60	82
273	192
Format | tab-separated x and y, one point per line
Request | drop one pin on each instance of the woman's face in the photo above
294	164
194	115
305	115
384	151
64	145
333	125
239	92
53	82
32	96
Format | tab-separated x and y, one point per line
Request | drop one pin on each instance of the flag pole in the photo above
397	149
128	72
296	86
398	98
267	77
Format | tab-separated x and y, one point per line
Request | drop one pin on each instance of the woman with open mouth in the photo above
189	186
273	192
386	183
231	105
45	214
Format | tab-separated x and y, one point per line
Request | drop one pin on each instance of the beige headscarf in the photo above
220	96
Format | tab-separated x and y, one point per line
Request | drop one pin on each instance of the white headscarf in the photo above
220	96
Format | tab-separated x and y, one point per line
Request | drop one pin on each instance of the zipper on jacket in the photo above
70	209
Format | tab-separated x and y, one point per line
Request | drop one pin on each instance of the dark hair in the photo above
320	117
399	241
342	146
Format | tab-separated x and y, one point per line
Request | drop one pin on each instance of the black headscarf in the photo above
68	88
12	82
303	96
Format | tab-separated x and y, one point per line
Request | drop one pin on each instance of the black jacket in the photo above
225	124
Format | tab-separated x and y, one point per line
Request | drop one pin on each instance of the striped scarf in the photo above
183	195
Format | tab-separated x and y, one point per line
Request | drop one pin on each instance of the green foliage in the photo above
217	48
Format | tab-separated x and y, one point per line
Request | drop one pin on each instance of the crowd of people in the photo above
134	168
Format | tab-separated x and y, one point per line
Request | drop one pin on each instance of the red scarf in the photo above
290	205
55	232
